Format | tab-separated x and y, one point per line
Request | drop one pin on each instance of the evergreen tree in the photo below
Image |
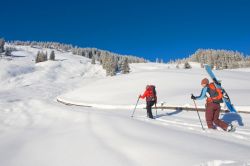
93	60
2	42
52	55
187	65
45	56
41	57
8	51
125	66
90	54
38	57
111	66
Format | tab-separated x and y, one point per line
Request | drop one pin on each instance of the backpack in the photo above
215	92
152	93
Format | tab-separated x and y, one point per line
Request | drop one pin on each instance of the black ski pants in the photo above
149	108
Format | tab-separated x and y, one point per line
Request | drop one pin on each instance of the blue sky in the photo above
150	29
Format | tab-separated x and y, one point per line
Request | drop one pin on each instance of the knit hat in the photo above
205	81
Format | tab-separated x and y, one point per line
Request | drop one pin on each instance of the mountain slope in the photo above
37	130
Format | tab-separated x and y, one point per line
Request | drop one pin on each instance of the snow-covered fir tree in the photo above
111	65
125	66
93	60
187	65
41	57
2	42
52	55
8	51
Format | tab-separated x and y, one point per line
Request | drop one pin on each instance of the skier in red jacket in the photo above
151	99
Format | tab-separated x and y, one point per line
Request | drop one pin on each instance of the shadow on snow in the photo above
230	117
178	110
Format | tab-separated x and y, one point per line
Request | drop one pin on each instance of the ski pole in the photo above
198	114
155	109
135	107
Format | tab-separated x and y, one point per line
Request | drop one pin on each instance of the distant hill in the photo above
218	59
113	63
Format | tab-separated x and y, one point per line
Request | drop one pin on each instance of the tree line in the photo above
221	59
217	59
113	63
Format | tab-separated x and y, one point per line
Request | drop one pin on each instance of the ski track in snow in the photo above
239	134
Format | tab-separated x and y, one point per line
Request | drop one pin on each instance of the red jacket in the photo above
148	93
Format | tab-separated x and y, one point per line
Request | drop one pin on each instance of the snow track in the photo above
240	133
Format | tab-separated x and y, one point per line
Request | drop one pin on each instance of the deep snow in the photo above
37	130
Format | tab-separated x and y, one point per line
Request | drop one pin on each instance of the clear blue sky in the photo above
163	29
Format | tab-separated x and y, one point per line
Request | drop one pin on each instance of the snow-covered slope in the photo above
65	73
174	87
37	130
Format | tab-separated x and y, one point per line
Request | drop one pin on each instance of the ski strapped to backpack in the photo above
225	97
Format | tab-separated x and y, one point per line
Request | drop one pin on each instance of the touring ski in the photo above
226	98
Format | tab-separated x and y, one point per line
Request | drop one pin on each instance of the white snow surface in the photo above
37	130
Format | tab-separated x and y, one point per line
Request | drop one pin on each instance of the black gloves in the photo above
193	97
